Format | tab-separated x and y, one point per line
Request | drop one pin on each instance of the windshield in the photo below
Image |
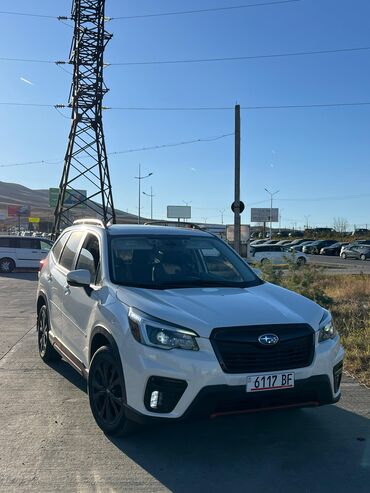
161	262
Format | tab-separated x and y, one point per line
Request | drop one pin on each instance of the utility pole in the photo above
151	201
140	178
271	197
86	162
222	215
237	181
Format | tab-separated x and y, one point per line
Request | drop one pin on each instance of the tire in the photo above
301	261
362	256
46	350
106	390
7	265
343	256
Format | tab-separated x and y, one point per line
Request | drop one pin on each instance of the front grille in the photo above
238	349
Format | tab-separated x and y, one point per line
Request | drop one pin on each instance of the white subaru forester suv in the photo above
171	324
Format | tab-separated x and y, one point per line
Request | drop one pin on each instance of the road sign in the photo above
34	220
72	197
262	215
178	211
241	207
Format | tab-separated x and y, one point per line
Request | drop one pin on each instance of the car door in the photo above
28	252
59	273
79	302
52	278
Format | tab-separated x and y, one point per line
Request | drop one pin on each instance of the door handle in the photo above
49	277
67	289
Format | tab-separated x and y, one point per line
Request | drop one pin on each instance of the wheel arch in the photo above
99	337
41	300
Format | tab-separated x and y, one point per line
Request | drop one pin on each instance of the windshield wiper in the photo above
203	284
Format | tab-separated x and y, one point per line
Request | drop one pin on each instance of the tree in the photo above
340	224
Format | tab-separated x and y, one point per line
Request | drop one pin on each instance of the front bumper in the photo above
222	400
222	392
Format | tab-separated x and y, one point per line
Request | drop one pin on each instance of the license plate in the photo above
274	381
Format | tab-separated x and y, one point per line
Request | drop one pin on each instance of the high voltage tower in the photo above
86	162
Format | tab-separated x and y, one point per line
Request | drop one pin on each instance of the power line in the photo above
203	11
241	58
28	14
59	63
228	108
127	151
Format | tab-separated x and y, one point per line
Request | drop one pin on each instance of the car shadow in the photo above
23	276
66	371
311	450
318	450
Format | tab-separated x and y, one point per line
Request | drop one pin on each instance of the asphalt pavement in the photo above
49	441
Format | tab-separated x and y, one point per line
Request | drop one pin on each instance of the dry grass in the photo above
351	312
347	297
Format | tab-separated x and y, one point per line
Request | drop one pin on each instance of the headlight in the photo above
327	330
153	332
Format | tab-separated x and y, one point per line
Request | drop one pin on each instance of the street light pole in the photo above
222	215
271	197
151	201
140	178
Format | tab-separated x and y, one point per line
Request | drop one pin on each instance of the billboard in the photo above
72	197
178	211
3	213
262	215
19	210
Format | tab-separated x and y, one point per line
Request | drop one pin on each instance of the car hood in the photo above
203	309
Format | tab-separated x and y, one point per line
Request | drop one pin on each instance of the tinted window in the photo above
89	257
165	262
6	243
58	245
70	250
30	243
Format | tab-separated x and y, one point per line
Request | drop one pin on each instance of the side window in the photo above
29	243
45	245
89	257
70	250
58	246
5	242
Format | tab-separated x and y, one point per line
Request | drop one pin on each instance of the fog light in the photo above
154	399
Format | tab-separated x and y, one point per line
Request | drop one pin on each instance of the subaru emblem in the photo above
268	339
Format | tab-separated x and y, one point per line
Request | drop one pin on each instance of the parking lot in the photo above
49	440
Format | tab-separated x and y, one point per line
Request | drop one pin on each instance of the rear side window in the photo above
7	242
70	250
89	257
58	246
29	243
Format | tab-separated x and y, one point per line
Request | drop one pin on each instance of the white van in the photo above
22	251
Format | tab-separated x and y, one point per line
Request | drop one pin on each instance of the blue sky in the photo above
318	158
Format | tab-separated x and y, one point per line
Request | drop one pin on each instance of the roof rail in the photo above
92	221
172	224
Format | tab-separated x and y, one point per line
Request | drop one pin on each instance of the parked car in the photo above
170	324
283	242
354	243
334	249
315	247
361	252
298	242
22	251
298	248
275	254
257	242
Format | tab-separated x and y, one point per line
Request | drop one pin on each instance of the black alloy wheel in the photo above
107	393
46	350
7	265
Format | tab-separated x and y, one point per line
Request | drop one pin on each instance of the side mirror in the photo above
80	277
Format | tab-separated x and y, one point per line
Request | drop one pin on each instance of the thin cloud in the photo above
26	81
193	169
